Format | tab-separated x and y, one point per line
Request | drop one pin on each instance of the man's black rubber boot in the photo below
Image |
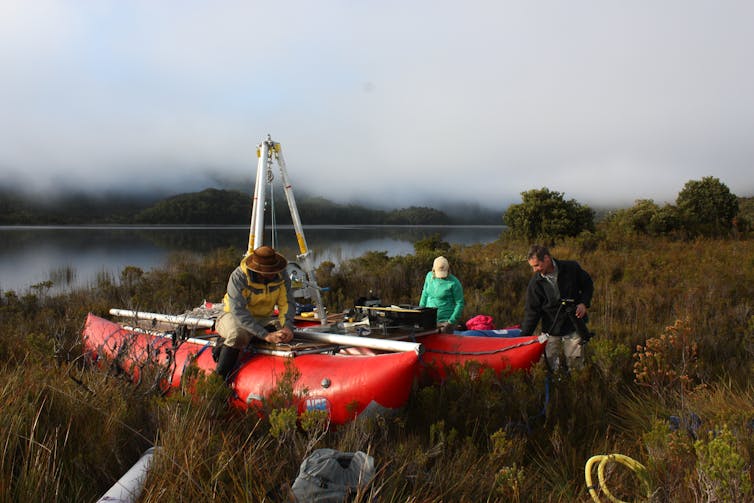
216	350
226	361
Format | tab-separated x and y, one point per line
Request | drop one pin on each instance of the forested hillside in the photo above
232	207
70	209
226	207
217	207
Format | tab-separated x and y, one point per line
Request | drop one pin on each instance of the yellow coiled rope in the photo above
604	459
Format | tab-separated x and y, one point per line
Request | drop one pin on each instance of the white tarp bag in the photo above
330	476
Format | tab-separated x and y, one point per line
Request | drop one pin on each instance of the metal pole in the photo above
256	229
305	253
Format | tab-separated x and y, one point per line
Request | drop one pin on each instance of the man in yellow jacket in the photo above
255	289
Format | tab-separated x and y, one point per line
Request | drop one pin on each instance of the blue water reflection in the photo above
76	256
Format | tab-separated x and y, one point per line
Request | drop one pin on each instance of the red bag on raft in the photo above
480	322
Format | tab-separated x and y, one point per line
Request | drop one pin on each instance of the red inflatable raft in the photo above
344	386
502	350
502	354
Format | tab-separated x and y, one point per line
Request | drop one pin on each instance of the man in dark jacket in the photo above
557	287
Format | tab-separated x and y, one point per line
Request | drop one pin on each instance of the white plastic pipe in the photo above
168	318
343	340
128	488
363	342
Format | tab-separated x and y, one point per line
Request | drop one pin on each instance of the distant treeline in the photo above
216	207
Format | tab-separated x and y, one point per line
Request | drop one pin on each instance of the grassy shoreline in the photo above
668	383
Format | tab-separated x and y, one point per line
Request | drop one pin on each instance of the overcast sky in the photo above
397	102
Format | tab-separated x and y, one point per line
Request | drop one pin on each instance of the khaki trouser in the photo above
568	345
234	335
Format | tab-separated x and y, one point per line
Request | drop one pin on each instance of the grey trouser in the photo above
234	335
569	345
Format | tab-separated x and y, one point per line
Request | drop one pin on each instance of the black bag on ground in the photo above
330	476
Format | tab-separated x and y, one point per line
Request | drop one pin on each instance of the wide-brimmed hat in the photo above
265	260
441	267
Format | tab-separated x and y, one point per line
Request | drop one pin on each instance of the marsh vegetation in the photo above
668	380
668	383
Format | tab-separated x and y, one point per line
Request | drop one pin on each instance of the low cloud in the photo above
605	103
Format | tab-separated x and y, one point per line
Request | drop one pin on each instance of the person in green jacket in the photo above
443	291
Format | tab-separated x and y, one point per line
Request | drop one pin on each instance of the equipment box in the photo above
423	318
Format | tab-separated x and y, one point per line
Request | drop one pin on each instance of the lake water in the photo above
75	256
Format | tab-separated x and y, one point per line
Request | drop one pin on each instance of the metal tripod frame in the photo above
269	152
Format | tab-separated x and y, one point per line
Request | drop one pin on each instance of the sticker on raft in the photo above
253	397
317	404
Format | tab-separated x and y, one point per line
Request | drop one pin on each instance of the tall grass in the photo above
668	382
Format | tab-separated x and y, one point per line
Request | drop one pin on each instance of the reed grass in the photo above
668	381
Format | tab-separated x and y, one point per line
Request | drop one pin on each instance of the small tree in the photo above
431	245
707	207
546	214
665	221
641	215
646	217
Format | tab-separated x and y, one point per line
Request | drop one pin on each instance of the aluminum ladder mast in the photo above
267	152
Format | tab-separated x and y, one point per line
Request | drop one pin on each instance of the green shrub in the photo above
723	471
